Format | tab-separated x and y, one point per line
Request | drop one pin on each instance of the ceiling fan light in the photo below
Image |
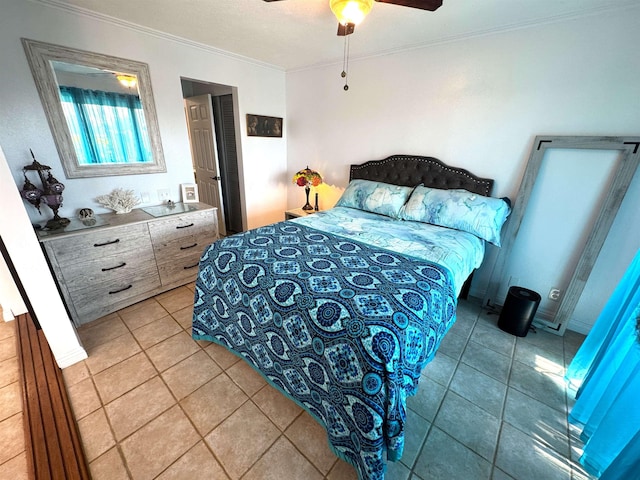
350	11
128	81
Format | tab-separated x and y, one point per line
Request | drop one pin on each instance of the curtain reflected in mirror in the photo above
104	115
100	110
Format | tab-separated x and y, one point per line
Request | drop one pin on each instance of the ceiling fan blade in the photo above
344	30
271	0
430	5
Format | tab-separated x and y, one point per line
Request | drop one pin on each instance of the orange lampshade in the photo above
307	177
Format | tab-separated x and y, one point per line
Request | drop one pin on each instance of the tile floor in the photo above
153	403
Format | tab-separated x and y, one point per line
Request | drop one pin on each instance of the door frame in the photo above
212	88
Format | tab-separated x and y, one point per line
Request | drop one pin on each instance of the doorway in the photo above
211	120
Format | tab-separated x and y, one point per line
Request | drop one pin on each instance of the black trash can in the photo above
518	311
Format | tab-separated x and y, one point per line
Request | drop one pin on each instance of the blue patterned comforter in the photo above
341	327
461	252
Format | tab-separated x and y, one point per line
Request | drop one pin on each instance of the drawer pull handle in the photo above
121	290
113	268
190	246
106	243
185	226
190	266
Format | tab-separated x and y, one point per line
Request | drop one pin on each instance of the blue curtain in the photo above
106	127
606	373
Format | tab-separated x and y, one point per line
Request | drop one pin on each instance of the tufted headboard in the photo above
412	170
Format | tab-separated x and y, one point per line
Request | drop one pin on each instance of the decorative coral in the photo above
119	200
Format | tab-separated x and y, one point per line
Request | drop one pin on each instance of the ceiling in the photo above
294	34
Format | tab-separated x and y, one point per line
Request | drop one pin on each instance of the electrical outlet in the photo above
554	294
163	194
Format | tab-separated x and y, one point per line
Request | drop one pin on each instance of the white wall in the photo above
23	125
479	103
261	89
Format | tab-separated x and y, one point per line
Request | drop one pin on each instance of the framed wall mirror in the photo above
100	110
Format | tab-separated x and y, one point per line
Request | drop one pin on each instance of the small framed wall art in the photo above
261	126
189	193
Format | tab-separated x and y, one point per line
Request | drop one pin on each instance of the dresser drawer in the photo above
78	276
182	270
192	224
179	248
111	241
98	297
178	243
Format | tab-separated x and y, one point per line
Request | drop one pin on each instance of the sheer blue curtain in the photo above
106	127
606	373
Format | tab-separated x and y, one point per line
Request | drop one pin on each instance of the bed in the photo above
341	310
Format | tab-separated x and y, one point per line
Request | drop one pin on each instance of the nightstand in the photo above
297	212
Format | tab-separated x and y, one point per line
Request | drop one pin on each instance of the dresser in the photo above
113	261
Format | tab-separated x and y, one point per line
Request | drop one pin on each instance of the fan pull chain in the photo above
345	62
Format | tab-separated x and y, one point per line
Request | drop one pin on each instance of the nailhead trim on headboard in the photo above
411	170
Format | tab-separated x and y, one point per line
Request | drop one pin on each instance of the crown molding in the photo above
84	12
80	11
478	34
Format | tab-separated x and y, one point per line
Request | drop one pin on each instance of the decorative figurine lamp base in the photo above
307	178
307	206
50	194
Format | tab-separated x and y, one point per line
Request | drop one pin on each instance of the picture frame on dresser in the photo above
189	193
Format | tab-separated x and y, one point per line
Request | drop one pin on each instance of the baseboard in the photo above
73	356
7	315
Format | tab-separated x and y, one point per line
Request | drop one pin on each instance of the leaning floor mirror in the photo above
100	110
576	184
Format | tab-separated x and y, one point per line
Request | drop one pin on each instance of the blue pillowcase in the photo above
460	209
375	197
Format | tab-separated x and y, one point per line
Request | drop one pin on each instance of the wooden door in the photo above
199	112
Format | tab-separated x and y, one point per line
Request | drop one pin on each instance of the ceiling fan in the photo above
351	12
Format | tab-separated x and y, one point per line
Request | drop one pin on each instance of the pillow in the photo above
459	209
376	197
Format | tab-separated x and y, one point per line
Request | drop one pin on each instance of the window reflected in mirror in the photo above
100	110
104	115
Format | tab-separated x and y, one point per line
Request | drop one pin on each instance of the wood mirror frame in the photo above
629	148
40	56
